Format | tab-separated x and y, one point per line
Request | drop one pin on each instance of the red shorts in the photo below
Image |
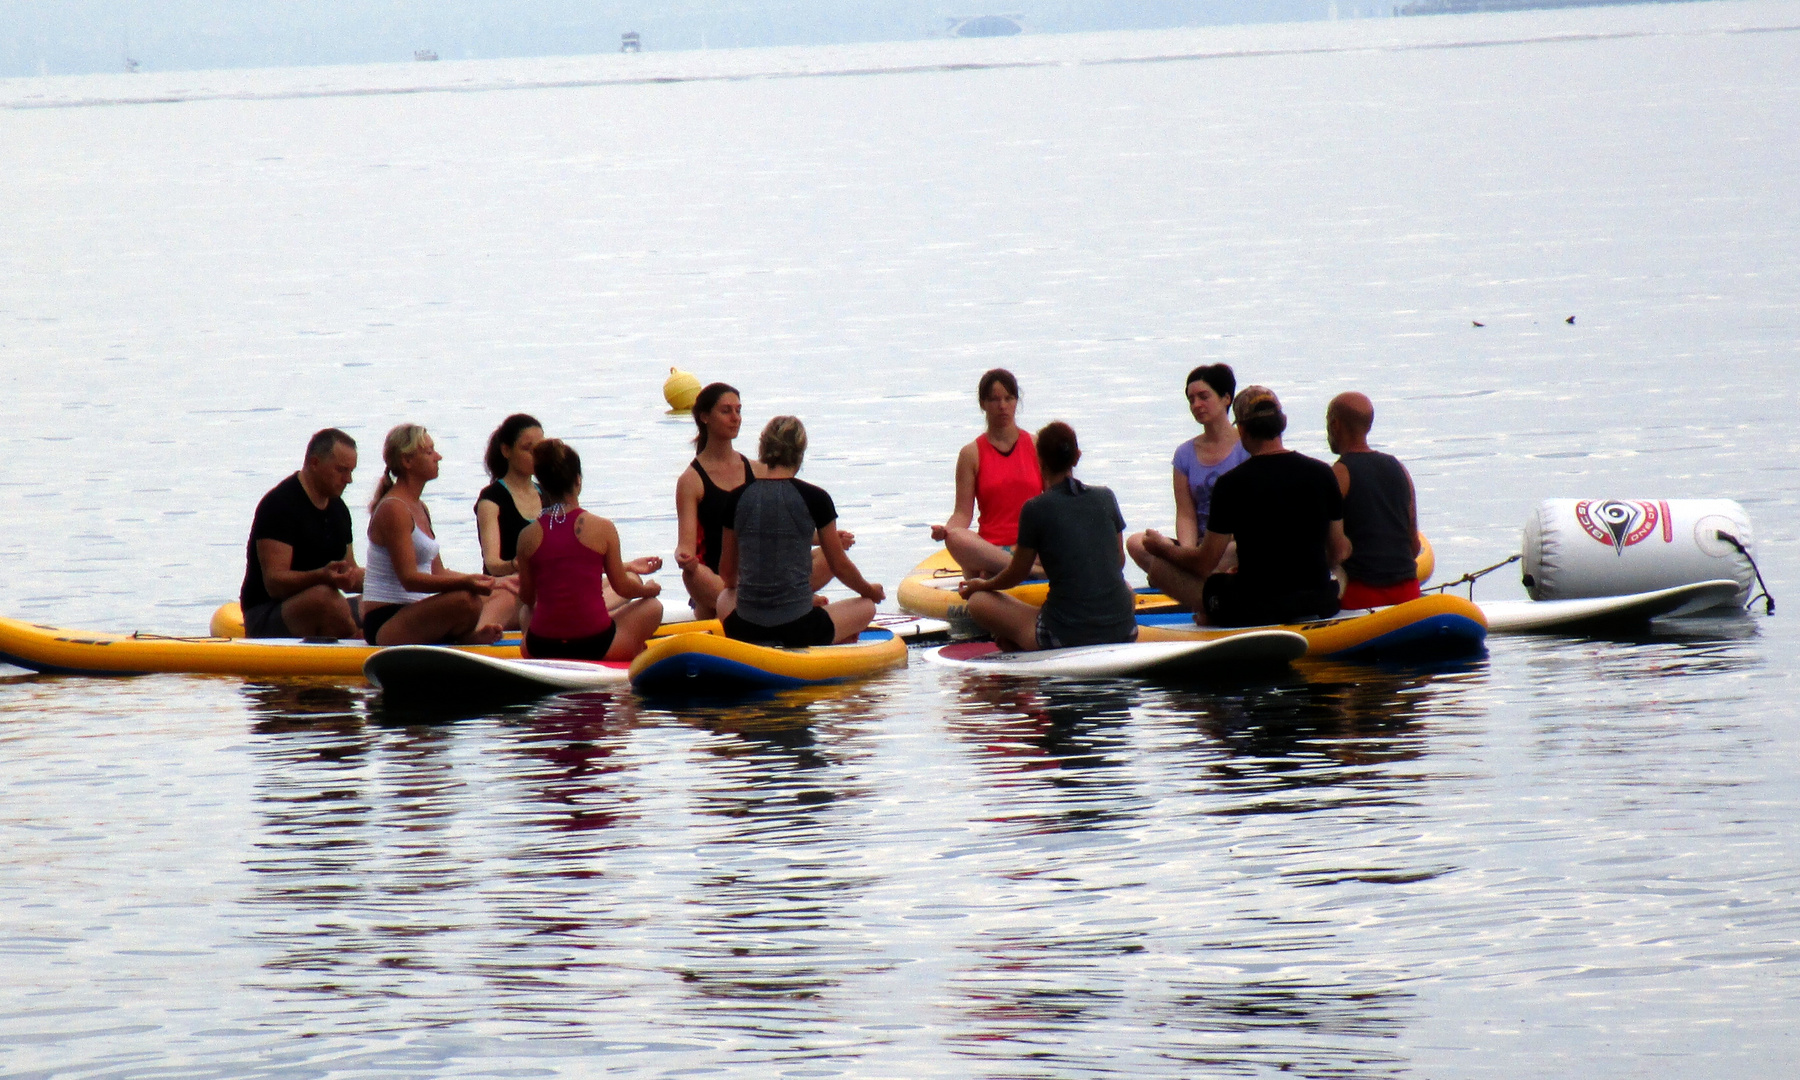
1358	595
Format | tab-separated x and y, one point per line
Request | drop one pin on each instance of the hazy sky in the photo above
60	37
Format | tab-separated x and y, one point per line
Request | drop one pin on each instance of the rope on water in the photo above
1471	578
1768	601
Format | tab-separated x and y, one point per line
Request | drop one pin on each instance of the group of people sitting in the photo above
1259	531
1263	534
756	545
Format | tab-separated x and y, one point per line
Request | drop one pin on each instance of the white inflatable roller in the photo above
1579	548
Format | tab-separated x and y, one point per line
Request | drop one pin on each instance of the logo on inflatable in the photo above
1620	524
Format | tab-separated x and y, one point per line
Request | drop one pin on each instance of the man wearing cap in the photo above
300	562
1286	514
1381	515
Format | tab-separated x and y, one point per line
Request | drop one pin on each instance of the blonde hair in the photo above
783	443
402	439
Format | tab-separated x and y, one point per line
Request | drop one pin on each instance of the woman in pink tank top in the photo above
563	558
997	472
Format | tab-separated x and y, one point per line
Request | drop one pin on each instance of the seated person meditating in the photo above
767	562
510	503
1286	514
703	499
997	473
563	556
1077	533
1381	515
408	596
299	561
1199	462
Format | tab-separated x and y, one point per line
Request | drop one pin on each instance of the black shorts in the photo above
375	619
813	628
592	647
264	620
1230	603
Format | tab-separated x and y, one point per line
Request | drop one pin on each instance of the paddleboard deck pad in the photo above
1567	616
710	665
1232	652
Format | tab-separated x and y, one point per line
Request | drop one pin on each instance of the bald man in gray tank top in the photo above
1381	514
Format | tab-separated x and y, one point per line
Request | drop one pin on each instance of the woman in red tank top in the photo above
562	558
997	472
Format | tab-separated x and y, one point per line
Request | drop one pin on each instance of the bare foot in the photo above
486	634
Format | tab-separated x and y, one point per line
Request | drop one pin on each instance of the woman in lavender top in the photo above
1198	464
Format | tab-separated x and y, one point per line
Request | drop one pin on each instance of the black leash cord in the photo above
1768	601
1471	578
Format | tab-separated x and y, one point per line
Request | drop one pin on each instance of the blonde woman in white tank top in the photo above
411	599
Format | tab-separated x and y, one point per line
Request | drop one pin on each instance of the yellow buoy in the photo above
680	390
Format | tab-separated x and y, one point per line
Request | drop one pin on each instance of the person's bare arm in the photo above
688	491
1412	512
281	580
354	579
529	539
963	515
1337	545
831	542
625	581
1016	571
1188	525
1342	472
487	528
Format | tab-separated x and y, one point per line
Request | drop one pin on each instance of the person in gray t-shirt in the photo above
1078	534
766	554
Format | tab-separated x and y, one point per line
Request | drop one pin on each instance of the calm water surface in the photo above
1575	857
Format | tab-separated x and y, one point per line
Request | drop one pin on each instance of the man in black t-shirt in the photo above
1286	513
300	561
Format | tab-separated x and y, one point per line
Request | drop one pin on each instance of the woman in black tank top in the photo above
511	502
703	494
715	504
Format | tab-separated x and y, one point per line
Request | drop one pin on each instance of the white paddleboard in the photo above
442	673
912	629
1132	658
1537	616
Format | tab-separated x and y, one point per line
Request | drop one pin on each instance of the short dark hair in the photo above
504	436
1057	449
1217	376
324	441
558	469
996	375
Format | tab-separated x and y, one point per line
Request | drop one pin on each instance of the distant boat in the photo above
424	54
972	26
629	42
